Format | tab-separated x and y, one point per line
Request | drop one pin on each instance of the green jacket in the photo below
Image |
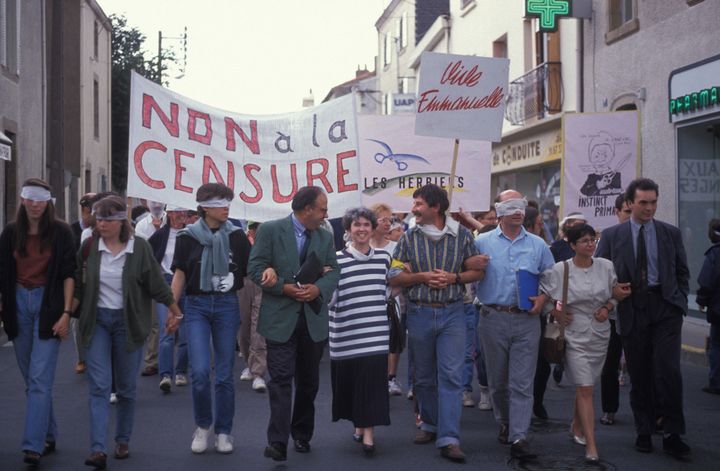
143	281
275	247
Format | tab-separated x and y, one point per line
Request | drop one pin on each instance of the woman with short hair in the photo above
116	280
37	266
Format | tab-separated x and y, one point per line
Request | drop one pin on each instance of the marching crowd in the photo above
451	289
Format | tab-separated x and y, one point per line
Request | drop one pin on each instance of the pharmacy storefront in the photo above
694	109
528	160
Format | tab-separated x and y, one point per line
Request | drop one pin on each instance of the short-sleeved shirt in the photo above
421	254
527	251
188	256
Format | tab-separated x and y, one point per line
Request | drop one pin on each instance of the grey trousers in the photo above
252	344
510	343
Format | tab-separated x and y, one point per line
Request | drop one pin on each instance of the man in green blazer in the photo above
294	332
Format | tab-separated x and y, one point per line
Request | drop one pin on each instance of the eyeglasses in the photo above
587	242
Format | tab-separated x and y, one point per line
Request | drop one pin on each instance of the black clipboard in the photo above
310	271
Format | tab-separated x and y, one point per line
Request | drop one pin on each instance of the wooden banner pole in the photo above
452	170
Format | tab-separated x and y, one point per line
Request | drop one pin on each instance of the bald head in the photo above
509	195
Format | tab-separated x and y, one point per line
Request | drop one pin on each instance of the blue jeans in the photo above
437	339
36	359
714	356
510	342
212	318
107	355
166	345
474	358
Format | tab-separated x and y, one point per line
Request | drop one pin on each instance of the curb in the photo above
694	355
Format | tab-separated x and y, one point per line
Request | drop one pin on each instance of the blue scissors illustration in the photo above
397	159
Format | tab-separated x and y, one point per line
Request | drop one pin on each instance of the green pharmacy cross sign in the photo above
548	11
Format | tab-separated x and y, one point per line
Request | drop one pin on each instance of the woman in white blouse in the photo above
592	294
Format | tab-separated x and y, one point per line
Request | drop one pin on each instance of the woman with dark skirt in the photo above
37	265
359	332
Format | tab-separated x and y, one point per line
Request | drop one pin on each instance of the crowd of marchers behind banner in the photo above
465	295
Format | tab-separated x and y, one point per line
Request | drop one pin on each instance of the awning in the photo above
5	147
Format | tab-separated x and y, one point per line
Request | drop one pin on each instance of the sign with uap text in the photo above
395	163
177	144
461	97
601	156
403	103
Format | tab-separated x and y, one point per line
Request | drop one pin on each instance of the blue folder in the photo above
527	285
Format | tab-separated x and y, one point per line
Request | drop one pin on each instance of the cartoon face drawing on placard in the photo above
603	179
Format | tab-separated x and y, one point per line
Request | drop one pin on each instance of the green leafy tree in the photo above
128	55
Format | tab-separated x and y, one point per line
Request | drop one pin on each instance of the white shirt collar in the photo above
128	247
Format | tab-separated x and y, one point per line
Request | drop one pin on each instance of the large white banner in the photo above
395	162
461	97
601	156
177	144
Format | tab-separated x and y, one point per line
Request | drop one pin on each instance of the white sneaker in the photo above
181	380
394	388
484	402
224	443
410	395
166	384
246	375
467	400
259	384
113	398
200	438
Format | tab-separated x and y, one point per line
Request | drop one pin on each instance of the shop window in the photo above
698	147
622	19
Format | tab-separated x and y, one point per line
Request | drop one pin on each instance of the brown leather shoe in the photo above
503	434
97	460
122	451
453	453
423	437
149	371
80	367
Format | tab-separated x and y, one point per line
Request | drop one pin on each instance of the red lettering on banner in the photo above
429	101
277	196
137	159
171	124
341	172
193	117
322	176
456	74
209	165
179	170
248	169
252	143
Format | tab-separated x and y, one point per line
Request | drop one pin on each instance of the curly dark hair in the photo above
354	214
576	233
433	196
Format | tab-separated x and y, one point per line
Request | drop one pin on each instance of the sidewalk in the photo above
694	340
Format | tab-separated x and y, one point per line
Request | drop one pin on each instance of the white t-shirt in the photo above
145	228
169	251
110	293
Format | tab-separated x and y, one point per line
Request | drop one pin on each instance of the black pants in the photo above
542	371
609	385
652	350
296	360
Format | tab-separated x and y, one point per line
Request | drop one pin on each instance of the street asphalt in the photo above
164	427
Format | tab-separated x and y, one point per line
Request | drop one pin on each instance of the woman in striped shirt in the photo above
359	332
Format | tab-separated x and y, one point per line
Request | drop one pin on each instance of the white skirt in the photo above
585	355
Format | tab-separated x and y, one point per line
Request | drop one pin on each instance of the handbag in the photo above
553	339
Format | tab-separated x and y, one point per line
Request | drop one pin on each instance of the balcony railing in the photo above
535	94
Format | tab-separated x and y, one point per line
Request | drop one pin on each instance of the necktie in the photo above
304	249
642	268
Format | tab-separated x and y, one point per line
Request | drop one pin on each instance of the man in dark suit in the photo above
649	256
295	333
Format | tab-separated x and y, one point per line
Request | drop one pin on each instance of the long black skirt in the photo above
360	390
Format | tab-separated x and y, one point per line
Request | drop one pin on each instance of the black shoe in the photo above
643	444
277	451
557	372
302	446
674	446
539	411
31	458
503	434
453	452
368	449
48	448
97	460
149	371
521	450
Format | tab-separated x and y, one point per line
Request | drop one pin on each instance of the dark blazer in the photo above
158	241
709	280
275	247
616	245
77	233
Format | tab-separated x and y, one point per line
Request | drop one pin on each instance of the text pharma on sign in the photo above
316	171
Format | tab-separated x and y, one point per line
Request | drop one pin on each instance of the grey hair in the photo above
355	214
